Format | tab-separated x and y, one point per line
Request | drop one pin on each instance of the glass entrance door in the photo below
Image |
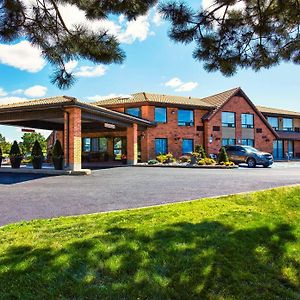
278	149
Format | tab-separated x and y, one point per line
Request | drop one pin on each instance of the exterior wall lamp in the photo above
211	138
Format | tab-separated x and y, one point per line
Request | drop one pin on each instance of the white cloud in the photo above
22	56
87	71
179	86
186	87
174	82
71	65
138	29
9	100
112	95
126	32
36	91
2	92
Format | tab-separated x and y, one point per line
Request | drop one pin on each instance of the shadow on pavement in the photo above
9	178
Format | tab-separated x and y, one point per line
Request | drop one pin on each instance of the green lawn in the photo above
237	247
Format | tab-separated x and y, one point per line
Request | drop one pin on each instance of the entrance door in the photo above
278	149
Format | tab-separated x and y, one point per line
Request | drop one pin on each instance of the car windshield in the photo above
250	149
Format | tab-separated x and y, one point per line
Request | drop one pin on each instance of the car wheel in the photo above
251	162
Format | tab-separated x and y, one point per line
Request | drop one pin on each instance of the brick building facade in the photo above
181	123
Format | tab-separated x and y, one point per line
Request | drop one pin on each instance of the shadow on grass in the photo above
186	261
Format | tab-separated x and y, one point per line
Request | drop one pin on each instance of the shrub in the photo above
152	162
162	158
199	149
201	162
57	150
206	161
165	158
185	159
223	157
36	150
15	150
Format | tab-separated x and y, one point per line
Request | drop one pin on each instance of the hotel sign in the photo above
110	126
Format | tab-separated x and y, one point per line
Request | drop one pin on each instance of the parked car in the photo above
249	155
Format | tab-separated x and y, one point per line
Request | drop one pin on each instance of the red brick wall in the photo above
263	141
171	131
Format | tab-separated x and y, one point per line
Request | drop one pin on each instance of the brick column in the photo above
132	144
72	138
145	146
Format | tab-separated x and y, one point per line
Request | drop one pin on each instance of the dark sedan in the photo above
249	155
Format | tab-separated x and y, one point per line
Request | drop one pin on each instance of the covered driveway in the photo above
72	118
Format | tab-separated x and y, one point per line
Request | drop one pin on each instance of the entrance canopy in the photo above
72	117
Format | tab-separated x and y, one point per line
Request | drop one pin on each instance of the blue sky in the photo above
152	61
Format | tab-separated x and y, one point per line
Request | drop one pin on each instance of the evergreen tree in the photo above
41	23
238	33
223	157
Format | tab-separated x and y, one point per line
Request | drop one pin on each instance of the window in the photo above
102	144
226	142
160	114
247	120
228	119
133	111
187	146
185	117
94	144
119	148
161	146
287	124
248	142
273	121
86	144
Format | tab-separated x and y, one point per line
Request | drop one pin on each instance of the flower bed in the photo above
197	159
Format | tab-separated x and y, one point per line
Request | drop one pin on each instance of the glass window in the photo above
102	144
228	119
287	124
273	121
226	142
248	142
94	144
247	120
160	114
161	146
185	117
133	111
86	144
118	146
187	146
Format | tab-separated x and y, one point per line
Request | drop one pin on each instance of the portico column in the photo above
132	144
72	138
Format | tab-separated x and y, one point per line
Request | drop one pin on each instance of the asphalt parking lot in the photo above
26	197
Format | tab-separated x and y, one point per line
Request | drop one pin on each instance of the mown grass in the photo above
237	247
